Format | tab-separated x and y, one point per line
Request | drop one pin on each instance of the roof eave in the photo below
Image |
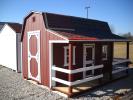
103	40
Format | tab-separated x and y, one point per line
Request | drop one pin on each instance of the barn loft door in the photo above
88	59
34	55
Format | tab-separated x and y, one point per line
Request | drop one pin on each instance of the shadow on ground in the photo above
118	88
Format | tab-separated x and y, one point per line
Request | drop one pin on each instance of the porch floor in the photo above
77	88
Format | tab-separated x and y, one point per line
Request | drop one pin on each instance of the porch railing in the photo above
119	67
76	71
119	61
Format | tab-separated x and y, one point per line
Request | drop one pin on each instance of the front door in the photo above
88	59
34	55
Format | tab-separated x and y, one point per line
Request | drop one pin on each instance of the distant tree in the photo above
128	36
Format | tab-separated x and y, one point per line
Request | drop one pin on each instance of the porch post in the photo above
127	56
70	67
127	50
112	56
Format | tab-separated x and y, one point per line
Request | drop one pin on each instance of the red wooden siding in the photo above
54	37
38	24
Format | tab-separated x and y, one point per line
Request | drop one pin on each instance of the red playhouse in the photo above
70	54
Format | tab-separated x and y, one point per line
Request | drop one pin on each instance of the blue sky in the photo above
118	13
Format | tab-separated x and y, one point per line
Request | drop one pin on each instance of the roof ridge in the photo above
10	23
66	15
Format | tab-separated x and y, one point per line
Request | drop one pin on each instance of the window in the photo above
104	52
33	19
66	55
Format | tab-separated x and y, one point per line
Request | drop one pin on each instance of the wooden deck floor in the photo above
77	88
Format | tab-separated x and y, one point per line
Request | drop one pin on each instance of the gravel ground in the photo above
13	87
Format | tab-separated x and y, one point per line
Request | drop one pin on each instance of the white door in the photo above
34	55
88	59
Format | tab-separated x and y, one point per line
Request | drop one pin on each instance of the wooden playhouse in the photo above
69	54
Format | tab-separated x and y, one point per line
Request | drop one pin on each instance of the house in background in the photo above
10	45
69	54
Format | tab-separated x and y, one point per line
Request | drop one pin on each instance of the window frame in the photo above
66	57
105	51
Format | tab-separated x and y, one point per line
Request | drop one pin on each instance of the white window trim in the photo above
90	61
65	55
106	52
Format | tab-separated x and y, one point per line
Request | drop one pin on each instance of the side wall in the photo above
18	53
8	48
45	36
38	24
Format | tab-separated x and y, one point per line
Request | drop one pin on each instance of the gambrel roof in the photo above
76	28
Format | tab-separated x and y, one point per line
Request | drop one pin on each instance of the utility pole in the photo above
87	8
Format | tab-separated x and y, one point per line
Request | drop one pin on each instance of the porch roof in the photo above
72	36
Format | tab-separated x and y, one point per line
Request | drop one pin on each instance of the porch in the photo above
70	85
80	86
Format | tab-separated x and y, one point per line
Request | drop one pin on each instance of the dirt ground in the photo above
14	87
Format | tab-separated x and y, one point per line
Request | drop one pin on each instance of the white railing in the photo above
78	81
76	71
119	70
119	61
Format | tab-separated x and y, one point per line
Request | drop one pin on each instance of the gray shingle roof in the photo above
15	26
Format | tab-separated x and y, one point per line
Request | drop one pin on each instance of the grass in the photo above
120	50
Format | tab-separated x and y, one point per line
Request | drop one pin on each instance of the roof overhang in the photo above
103	40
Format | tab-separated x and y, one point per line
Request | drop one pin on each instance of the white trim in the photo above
74	48
76	70
119	70
78	81
58	41
55	33
120	61
37	56
52	73
37	12
85	46
61	81
87	79
105	47
66	56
